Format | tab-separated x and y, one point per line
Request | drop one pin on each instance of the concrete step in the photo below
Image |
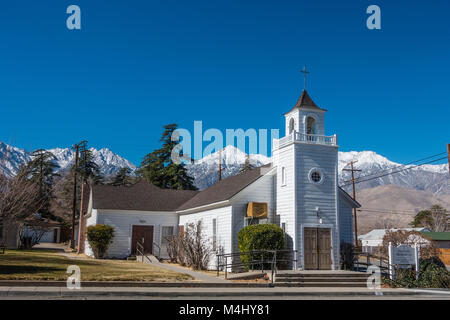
322	284
322	275
320	279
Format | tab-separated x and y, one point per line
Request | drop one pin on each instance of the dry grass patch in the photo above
48	265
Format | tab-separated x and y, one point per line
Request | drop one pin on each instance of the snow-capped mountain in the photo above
11	158
205	170
431	178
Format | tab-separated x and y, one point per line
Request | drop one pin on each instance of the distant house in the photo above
9	235
441	239
442	242
39	229
374	238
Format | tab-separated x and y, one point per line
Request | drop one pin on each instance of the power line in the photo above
402	165
390	173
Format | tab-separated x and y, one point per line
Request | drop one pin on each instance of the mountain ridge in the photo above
431	178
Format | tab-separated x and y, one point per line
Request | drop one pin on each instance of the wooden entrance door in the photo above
317	246
143	234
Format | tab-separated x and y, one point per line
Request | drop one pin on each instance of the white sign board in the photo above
403	255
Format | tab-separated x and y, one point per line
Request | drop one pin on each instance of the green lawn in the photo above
48	265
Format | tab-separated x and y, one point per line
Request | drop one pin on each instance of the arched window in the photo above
310	125
291	125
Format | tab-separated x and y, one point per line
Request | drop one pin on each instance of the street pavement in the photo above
275	293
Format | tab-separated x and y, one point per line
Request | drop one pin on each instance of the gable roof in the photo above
225	189
378	234
305	101
349	198
142	196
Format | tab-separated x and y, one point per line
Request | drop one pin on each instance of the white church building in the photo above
299	192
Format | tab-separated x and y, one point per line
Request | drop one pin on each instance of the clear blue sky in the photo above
137	65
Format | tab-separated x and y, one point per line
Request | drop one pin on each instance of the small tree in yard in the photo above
260	237
190	248
100	237
427	247
195	248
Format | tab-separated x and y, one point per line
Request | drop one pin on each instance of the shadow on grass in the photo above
15	269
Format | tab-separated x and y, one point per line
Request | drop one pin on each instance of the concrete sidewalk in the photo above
212	293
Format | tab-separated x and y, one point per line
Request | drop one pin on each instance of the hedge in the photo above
100	237
260	237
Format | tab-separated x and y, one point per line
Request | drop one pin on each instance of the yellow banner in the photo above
257	210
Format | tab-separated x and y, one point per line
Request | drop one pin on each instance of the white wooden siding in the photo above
223	218
311	195
345	220
259	191
123	222
285	194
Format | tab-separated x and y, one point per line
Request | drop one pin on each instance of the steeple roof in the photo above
305	101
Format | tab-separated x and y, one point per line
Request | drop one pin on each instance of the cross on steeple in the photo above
304	76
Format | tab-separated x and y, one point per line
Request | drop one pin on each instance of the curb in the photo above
214	294
134	284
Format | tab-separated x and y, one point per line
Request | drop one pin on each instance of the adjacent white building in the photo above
374	239
299	191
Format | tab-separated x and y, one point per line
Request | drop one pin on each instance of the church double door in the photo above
317	246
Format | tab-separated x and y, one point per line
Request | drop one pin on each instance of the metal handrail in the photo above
154	244
262	261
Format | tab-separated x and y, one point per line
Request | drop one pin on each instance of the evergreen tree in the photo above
246	166
158	167
122	178
41	170
88	170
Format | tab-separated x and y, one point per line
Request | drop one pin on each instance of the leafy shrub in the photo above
260	237
100	237
433	274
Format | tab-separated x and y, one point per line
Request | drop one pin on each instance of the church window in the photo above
291	125
316	176
310	125
166	233
214	242
283	176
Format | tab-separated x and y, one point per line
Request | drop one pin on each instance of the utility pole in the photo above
74	203
220	164
81	225
355	222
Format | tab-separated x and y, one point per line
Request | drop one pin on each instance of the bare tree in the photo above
196	247
439	219
19	200
427	246
190	248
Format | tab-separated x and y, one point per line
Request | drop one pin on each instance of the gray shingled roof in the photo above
144	196
225	189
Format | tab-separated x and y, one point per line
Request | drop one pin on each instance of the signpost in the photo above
404	257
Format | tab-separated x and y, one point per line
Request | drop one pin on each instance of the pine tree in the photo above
88	170
158	167
122	178
246	166
42	171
